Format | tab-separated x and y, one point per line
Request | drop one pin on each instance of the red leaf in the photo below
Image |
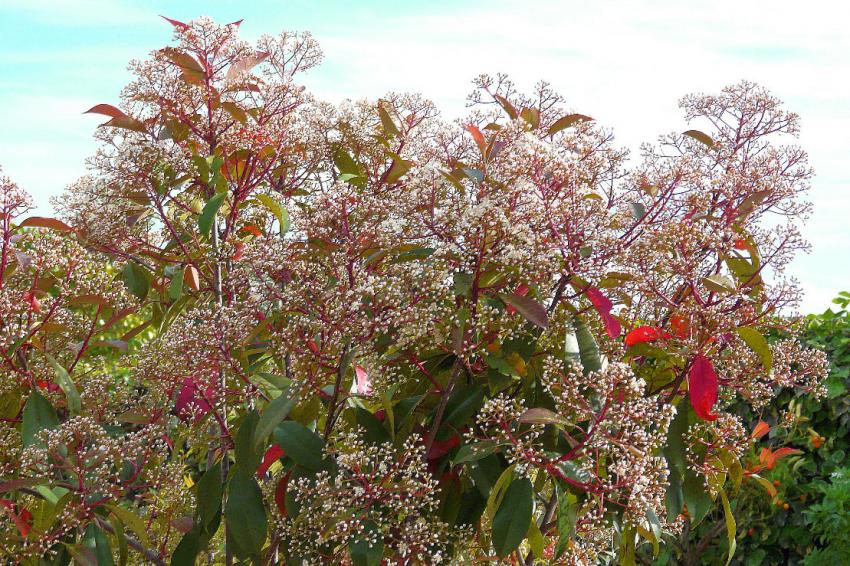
191	401
521	291
179	25
603	306
32	301
245	64
760	430
191	277
533	311
702	386
442	447
106	110
769	457
364	384
478	137
273	454
681	326
44	222
23	520
280	494
643	334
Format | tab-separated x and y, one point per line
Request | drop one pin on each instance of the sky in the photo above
626	63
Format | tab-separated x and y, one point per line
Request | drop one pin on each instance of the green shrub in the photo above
807	521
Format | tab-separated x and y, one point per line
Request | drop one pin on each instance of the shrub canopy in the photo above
276	330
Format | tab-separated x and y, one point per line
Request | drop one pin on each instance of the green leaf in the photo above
539	415
475	451
397	171
130	519
137	279
95	540
209	492
497	491
567	515
567	121
205	220
175	288
462	405
700	137
362	552
731	527
638	210
387	121
533	311
588	350
274	413
757	344
535	539
696	496
121	538
301	444
375	433
719	283
38	415
674	448
187	550
245	515
510	523
279	212
67	385
345	163
248	456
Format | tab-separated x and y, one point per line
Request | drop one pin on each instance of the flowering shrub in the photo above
795	511
361	334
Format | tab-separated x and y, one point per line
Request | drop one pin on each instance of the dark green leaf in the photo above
301	444
72	396
275	411
245	515
209	492
38	415
137	279
248	456
567	514
462	405
588	350
187	550
366	553
95	540
510	523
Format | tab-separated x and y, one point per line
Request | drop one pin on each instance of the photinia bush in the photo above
273	330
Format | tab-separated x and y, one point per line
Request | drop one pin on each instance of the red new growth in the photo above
702	386
273	454
768	457
643	334
680	325
603	306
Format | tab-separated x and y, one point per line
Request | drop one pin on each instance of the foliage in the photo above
798	518
362	334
